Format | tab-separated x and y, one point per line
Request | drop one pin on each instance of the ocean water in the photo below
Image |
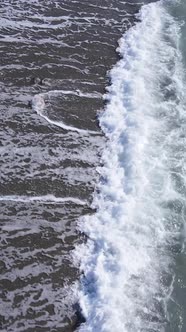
92	156
134	261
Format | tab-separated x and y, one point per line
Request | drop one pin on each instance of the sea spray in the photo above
127	260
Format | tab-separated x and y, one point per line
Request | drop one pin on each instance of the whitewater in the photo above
128	260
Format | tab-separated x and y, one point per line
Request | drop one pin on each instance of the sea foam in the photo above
127	261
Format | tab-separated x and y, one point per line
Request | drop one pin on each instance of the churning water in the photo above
133	263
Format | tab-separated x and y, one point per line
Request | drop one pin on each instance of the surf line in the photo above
44	199
126	263
38	105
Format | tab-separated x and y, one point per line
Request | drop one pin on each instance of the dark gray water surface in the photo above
47	46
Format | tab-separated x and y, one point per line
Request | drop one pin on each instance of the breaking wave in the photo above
127	261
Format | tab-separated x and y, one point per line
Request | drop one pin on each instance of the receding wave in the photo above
127	261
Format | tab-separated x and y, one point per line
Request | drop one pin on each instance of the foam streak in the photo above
43	199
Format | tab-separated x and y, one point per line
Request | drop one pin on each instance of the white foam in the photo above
38	104
43	199
125	259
